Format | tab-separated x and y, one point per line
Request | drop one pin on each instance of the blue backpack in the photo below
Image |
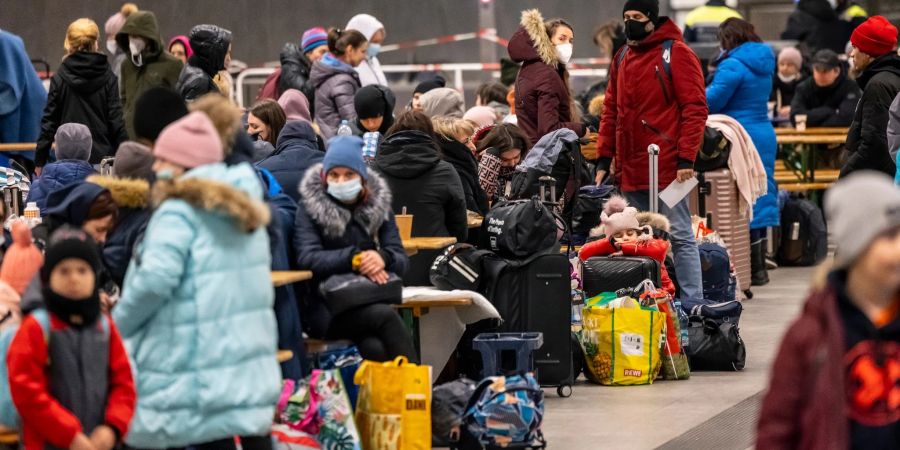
506	410
9	417
718	283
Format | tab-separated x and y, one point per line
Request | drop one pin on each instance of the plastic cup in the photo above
404	223
800	119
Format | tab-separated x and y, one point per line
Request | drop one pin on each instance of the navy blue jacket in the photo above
328	234
55	176
133	199
296	151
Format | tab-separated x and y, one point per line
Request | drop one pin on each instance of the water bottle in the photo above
344	129
683	321
32	214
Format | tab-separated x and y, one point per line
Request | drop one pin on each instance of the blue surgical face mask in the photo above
165	174
347	191
373	50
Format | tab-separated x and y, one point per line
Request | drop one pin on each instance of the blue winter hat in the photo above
345	151
71	203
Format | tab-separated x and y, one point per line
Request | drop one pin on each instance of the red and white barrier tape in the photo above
487	34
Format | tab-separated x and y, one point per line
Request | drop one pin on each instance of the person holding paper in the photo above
655	96
740	90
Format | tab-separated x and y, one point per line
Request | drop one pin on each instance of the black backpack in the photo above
459	267
520	228
804	235
714	151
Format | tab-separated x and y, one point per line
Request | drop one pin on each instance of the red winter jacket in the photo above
44	420
643	106
651	248
543	102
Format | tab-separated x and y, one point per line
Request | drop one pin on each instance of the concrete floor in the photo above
647	417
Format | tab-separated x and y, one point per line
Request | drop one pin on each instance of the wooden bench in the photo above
286	277
802	187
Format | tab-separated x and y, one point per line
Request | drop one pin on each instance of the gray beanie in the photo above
73	141
443	102
134	160
860	208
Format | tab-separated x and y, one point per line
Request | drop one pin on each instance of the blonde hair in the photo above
128	8
451	128
81	36
225	116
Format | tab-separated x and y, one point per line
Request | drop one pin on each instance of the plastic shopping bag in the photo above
393	410
622	345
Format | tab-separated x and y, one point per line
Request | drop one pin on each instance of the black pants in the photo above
377	331
247	442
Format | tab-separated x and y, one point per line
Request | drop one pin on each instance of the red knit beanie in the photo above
23	260
875	37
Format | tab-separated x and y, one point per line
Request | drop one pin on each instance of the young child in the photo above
834	381
71	383
623	235
73	151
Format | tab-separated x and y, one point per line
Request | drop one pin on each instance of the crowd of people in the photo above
152	284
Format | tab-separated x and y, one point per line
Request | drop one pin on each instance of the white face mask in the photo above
136	45
788	78
112	47
564	51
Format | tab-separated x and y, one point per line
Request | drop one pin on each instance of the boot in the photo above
759	275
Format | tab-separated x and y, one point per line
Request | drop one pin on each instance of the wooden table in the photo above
475	221
413	245
413	308
810	139
286	277
284	355
812	131
800	155
18	147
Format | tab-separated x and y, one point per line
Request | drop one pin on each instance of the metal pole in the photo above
487	22
653	153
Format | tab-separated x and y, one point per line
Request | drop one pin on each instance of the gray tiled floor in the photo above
645	417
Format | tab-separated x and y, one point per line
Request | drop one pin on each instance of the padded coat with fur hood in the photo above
133	199
543	101
327	234
196	312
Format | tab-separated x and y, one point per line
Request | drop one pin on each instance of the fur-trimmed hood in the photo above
233	191
126	192
531	42
656	221
334	218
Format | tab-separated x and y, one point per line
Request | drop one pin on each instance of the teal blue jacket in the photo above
196	312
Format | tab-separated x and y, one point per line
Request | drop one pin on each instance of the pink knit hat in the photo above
191	141
23	260
481	115
618	216
295	106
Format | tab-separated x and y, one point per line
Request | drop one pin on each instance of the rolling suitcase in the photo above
717	198
611	273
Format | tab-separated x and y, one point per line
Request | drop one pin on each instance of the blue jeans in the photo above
684	247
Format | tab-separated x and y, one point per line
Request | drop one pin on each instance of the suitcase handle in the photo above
653	152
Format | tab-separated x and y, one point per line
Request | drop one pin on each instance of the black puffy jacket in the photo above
466	167
85	91
295	67
831	106
210	44
817	26
867	146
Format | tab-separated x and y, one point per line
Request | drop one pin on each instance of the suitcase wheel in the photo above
748	294
564	391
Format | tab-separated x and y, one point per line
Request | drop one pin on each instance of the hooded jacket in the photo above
210	45
55	176
369	69
543	100
297	151
867	146
740	89
202	267
427	187
370	102
295	73
132	196
158	69
85	91
462	159
830	106
644	106
22	96
336	83
817	25
328	234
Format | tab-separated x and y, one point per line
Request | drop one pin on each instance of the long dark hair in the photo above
269	112
552	25
505	136
339	39
734	32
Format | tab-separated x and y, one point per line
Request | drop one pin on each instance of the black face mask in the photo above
254	137
77	313
636	31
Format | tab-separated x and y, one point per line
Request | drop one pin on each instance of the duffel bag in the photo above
348	291
520	228
720	312
459	267
715	345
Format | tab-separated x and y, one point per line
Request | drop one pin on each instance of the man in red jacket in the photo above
656	96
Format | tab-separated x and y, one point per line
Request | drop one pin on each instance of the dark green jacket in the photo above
158	68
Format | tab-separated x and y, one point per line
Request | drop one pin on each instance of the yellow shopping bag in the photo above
622	345
393	411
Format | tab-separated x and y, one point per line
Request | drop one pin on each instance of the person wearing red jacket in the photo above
71	383
647	104
624	235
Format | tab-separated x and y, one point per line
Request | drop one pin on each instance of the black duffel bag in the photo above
520	228
459	267
348	291
715	345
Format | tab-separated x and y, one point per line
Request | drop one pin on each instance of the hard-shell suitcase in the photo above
716	199
611	273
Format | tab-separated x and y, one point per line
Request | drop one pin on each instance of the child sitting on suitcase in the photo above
622	234
69	374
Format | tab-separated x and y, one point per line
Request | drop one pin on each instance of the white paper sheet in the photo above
677	191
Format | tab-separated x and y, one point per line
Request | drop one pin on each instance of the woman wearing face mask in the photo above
203	265
85	91
180	47
499	150
345	225
786	80
265	121
543	96
369	69
111	28
336	81
211	45
738	89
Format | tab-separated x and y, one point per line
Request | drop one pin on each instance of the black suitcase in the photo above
611	273
804	235
537	297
